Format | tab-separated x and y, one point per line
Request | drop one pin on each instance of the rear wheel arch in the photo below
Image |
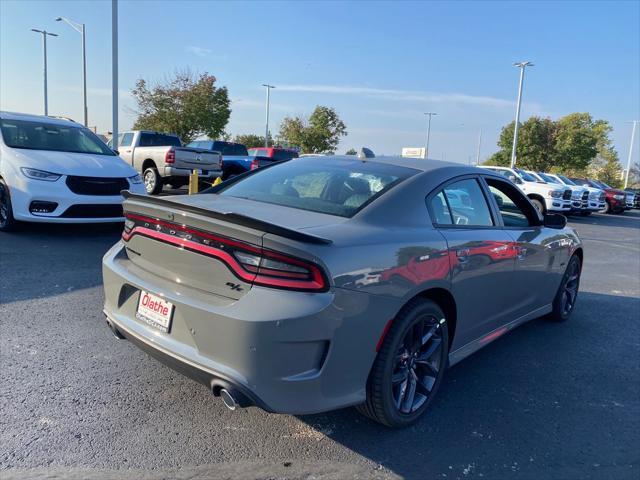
148	163
580	255
445	300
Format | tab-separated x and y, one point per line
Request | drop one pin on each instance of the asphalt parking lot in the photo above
546	401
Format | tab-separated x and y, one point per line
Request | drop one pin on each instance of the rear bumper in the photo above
285	351
185	172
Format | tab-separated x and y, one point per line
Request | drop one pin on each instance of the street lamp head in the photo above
523	64
59	19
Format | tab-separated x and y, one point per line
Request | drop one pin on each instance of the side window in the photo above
514	208
126	140
467	204
146	140
440	210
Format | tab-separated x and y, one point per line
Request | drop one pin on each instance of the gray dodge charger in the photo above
325	282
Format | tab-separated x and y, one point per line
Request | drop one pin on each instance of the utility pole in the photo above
521	66
633	135
44	48
114	73
80	28
426	148
478	151
266	133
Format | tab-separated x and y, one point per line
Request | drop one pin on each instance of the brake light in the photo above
170	157
254	164
248	262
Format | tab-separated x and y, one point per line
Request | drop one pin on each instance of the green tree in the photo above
188	104
576	142
351	151
250	140
321	133
536	149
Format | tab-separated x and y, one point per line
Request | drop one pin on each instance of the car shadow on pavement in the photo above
548	400
63	257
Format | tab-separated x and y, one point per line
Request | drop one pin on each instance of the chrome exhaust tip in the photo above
228	399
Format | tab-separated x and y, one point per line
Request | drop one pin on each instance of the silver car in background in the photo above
326	282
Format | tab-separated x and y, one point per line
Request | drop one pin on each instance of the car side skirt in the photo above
475	345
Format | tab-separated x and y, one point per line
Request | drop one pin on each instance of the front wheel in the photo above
539	205
7	222
567	295
409	367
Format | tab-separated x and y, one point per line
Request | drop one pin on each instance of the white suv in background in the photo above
55	170
545	197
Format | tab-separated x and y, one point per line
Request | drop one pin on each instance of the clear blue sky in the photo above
381	65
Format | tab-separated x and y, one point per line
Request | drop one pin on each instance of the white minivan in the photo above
56	170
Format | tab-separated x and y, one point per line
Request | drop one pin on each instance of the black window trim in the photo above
497	220
494	205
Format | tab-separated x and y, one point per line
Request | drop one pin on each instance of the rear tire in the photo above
409	367
152	181
7	222
567	295
607	208
539	205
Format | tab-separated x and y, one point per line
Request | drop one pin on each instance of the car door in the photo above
538	251
481	256
125	147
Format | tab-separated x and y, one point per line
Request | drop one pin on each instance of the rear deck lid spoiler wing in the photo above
231	217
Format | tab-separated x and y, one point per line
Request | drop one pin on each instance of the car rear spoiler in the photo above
231	217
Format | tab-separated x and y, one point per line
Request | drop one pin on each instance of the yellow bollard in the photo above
217	181
193	182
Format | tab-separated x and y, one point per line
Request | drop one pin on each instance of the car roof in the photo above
419	164
39	118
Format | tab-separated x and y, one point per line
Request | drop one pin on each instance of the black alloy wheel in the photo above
567	295
417	364
409	367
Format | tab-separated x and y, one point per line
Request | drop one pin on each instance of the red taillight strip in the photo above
263	277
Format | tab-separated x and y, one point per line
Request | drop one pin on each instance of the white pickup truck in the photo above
162	159
545	197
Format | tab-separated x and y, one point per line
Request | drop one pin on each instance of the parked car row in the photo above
571	196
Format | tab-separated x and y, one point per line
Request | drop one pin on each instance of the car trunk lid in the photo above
213	249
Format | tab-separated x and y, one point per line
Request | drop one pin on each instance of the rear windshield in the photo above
35	135
258	152
158	140
526	176
230	149
334	187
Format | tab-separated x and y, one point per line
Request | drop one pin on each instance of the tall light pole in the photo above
426	148
478	151
44	48
521	66
266	133
80	28
114	73
633	136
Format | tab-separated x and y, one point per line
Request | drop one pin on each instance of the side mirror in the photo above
117	152
555	220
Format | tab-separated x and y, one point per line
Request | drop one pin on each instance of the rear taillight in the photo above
254	164
248	262
170	157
